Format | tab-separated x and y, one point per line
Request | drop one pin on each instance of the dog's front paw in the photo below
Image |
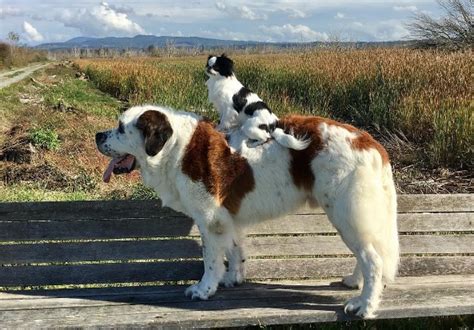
232	278
353	282
360	308
199	291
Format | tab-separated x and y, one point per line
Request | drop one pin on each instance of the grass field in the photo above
58	114
47	147
417	98
418	104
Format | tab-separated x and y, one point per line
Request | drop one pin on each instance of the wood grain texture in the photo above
259	246
427	203
251	304
274	269
179	225
443	283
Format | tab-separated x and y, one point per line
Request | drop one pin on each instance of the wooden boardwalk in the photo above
126	263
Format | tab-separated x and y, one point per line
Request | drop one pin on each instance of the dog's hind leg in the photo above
371	266
359	212
252	130
216	236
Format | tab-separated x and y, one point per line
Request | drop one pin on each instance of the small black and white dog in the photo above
239	107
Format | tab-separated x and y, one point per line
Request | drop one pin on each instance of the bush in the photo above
19	56
45	138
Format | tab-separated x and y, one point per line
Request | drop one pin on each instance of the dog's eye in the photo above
120	128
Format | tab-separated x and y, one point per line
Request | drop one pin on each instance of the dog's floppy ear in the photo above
156	130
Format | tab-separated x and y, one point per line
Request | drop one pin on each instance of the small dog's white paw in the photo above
199	291
353	282
254	143
232	278
357	307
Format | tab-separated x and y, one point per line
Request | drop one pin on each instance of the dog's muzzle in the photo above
100	138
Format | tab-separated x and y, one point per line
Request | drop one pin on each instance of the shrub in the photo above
45	138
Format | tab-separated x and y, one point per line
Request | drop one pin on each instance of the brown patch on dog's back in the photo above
365	142
226	175
300	167
306	126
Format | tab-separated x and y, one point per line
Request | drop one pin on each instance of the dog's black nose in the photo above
100	138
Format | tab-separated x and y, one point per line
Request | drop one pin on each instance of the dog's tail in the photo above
289	141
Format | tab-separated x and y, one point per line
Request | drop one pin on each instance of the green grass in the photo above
60	118
45	138
78	95
22	193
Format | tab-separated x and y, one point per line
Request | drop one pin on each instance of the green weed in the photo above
45	138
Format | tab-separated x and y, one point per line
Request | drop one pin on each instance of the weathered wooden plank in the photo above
65	211
263	304
333	267
302	268
436	203
97	228
118	293
183	226
427	203
257	246
407	222
142	209
167	295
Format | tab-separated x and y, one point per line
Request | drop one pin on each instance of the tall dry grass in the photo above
424	96
19	56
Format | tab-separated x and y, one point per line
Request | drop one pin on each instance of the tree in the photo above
13	37
453	31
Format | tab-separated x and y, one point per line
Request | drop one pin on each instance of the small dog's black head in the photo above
219	65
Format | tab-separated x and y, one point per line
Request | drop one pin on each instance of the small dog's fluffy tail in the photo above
289	141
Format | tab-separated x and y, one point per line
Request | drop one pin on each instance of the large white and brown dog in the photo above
193	168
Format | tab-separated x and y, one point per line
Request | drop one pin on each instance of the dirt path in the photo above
10	77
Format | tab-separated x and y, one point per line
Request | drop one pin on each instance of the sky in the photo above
40	21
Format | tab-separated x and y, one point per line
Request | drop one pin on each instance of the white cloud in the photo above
31	33
100	21
223	33
405	8
340	15
9	11
295	33
122	9
242	12
295	13
383	30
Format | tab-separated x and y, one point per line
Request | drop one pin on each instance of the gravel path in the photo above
6	80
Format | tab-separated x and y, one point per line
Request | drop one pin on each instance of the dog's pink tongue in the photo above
110	169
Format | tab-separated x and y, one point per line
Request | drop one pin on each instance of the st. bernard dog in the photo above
196	170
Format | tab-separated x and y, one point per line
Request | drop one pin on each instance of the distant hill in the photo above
142	41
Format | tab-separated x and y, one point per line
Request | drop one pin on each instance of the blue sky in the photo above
40	21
